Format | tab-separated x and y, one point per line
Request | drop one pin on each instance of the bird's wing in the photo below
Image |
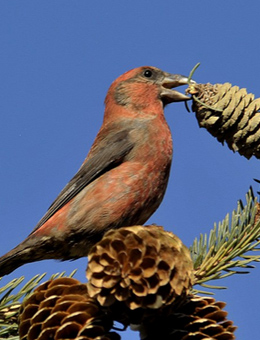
108	154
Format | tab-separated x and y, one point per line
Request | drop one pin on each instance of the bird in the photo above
122	180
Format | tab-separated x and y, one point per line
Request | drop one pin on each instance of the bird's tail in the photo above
22	254
13	259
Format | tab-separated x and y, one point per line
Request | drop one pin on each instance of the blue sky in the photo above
57	60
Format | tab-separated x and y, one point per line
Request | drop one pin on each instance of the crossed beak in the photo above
171	81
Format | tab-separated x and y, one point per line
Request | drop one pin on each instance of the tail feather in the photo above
12	260
20	255
37	247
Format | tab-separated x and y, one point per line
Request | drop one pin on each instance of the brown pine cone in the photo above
200	318
62	309
144	266
230	114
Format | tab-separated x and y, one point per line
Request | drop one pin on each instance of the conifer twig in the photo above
230	246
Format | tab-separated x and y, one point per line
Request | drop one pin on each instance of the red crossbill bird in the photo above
123	178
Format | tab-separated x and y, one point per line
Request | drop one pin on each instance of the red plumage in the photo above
123	179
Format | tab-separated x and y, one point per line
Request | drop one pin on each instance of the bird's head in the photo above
146	87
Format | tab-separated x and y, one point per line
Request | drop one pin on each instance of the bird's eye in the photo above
148	73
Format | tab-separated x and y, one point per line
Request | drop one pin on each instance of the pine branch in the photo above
230	246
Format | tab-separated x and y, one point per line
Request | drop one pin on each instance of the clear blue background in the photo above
57	60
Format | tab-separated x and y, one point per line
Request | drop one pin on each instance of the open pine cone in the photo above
144	266
198	318
62	309
230	114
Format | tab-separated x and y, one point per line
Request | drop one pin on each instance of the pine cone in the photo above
62	309
144	266
230	114
197	318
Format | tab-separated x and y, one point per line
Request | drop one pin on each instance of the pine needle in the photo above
228	247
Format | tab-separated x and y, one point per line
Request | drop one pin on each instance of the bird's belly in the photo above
126	195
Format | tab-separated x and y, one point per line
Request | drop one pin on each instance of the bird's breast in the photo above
129	193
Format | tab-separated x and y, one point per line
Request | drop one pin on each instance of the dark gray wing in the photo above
107	156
